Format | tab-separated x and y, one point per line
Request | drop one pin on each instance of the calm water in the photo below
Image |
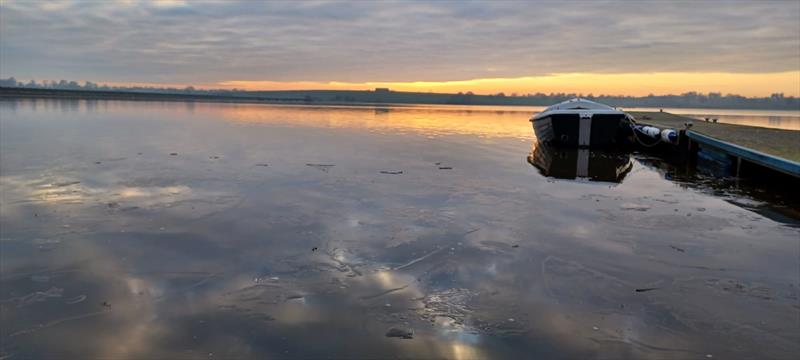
178	230
777	119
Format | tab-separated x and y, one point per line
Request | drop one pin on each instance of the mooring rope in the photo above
636	136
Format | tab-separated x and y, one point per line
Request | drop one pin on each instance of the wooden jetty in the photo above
775	149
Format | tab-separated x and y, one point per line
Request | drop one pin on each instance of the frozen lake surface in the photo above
135	230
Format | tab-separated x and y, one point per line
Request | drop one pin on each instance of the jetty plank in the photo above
776	142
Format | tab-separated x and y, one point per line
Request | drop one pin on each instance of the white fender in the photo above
650	131
669	135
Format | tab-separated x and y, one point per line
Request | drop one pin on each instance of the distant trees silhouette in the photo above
690	99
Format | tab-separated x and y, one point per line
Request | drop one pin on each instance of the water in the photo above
776	119
180	230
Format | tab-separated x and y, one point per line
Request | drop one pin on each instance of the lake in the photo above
777	119
198	230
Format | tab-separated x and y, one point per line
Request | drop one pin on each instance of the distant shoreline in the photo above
328	98
8	92
11	93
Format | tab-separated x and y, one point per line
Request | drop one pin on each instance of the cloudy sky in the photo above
751	48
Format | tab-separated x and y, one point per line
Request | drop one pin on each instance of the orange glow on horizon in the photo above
634	84
631	84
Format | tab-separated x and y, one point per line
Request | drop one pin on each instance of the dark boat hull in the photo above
570	130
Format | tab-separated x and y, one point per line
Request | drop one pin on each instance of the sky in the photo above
621	48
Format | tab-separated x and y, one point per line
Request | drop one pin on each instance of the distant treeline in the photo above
776	101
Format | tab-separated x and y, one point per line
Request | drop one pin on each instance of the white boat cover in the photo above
577	105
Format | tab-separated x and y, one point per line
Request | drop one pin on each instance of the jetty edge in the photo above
731	145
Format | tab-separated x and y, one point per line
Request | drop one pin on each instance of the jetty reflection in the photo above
580	164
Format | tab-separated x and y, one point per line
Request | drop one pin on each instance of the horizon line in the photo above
618	85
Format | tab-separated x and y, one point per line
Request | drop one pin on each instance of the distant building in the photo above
382	90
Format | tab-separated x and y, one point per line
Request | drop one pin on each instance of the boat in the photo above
581	164
581	123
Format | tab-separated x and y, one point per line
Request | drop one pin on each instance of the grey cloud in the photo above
387	41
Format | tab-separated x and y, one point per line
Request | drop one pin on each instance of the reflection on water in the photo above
432	121
573	163
772	195
112	247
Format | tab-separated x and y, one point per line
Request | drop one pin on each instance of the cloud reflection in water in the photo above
488	260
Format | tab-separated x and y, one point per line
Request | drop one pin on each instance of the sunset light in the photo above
635	84
399	179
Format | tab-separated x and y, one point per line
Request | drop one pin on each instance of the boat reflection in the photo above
578	164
